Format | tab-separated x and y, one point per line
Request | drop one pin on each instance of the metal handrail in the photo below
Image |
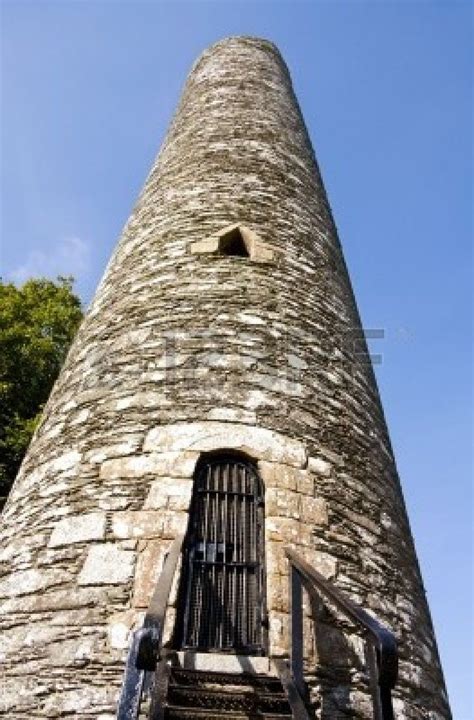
145	647
381	642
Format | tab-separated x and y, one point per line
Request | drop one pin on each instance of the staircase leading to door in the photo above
183	685
202	695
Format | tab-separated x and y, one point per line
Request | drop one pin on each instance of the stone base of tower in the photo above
80	582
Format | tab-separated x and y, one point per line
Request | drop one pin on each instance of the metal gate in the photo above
224	580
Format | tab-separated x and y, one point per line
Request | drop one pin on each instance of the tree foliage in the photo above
37	324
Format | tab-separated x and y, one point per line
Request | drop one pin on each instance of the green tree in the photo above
37	324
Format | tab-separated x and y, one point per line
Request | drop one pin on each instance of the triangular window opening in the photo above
233	244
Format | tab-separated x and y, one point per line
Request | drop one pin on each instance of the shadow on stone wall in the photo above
338	683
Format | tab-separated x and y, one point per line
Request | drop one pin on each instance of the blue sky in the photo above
88	89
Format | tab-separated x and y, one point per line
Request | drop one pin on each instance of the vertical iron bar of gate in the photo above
206	483
245	571
262	617
236	550
225	556
221	553
210	614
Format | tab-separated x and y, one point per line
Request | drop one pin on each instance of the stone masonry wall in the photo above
185	351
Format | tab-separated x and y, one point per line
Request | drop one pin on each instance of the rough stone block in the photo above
174	523
319	466
70	652
287	530
175	464
282	476
107	565
128	446
280	502
55	600
16	547
132	466
306	483
78	528
23	582
205	247
137	524
263	253
313	510
227	361
79	701
278	593
65	462
278	634
81	617
173	493
276	560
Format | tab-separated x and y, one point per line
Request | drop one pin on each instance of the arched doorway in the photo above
222	592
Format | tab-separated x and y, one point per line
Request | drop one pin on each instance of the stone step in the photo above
227	699
185	713
240	681
224	663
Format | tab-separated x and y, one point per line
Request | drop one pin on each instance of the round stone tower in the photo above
223	346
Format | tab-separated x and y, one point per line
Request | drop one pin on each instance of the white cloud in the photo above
69	256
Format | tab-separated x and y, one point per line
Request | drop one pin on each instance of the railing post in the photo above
373	673
386	703
296	630
160	690
131	691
